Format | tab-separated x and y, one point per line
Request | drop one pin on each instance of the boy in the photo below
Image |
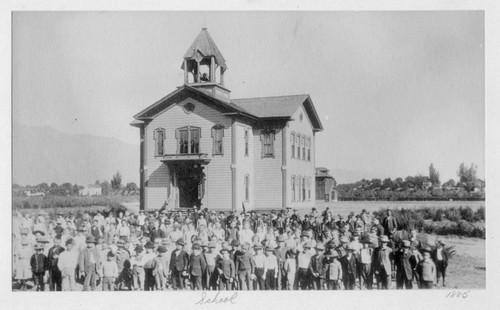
197	267
334	270
179	263
54	272
383	263
109	272
440	258
160	268
39	266
245	267
259	259
89	263
303	262
226	270
404	270
349	268
149	256
427	270
137	263
317	269
365	265
271	269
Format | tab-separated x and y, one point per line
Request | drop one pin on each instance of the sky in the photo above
395	91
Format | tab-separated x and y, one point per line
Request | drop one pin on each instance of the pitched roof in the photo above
206	46
280	106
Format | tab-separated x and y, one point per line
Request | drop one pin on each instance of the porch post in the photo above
284	167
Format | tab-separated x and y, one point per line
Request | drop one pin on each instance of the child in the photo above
210	259
39	266
149	256
316	267
427	270
271	269
350	268
365	265
440	258
197	267
334	271
138	268
179	263
109	272
259	259
226	271
290	268
160	269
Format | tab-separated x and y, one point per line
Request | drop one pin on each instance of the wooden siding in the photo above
245	166
267	171
218	171
300	167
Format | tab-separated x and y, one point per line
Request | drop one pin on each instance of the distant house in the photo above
91	190
32	194
325	184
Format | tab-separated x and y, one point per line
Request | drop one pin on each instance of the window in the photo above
218	135
267	138
246	142
308	149
309	188
299	191
188	140
303	189
297	142
303	143
247	187
159	137
293	144
293	188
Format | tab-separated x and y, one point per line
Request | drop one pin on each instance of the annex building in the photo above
199	147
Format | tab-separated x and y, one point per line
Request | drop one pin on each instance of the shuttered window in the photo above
293	144
159	137
218	137
303	143
247	187
303	189
246	142
308	149
293	189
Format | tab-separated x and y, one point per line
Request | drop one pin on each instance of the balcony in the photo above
200	158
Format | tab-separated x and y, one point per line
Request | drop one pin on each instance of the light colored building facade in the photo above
201	148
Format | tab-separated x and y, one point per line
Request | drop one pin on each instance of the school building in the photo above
199	147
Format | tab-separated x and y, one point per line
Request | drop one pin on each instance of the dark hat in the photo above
39	232
235	242
426	250
196	246
139	248
304	234
365	240
356	234
333	253
81	228
269	248
307	245
224	250
39	246
111	254
257	246
406	243
180	241
440	242
90	239
70	241
149	245
162	249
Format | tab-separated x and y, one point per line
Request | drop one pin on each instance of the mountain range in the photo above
44	154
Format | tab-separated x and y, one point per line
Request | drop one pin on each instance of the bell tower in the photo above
204	66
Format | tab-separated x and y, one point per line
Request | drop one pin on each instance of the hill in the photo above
43	154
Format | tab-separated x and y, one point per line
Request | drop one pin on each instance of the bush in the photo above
479	214
452	214
467	214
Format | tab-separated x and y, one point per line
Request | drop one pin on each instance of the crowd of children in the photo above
202	250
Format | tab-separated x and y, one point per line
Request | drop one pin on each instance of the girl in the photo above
290	268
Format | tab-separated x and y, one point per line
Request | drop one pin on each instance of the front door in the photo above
190	182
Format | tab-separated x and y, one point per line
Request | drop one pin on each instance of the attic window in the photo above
301	116
188	107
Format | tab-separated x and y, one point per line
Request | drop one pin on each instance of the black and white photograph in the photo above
226	153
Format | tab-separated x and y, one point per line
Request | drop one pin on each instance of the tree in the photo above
130	187
116	182
53	185
105	187
450	183
467	175
434	176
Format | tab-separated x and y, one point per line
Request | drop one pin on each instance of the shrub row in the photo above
68	201
462	221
